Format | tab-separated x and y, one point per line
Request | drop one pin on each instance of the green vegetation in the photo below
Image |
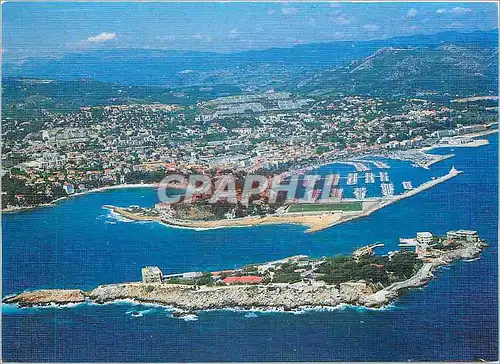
286	274
375	269
176	280
17	193
282	277
322	149
380	271
205	279
342	269
340	206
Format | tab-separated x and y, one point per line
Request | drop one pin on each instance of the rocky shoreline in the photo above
271	296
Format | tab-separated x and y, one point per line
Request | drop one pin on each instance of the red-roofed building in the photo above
243	280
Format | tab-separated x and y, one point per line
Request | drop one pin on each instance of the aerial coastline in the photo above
13	209
293	283
250	182
426	163
314	221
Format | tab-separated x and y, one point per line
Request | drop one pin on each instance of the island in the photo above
295	283
315	216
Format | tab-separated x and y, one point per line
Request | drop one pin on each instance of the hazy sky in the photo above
31	29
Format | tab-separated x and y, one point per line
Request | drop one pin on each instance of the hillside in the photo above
461	70
30	95
281	68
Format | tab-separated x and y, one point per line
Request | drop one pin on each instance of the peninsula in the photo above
316	216
362	279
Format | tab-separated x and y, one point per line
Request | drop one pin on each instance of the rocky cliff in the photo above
279	296
46	297
282	296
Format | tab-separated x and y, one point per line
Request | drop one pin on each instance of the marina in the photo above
360	193
384	177
336	193
369	177
387	189
352	179
407	185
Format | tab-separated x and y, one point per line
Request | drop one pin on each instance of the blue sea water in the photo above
80	244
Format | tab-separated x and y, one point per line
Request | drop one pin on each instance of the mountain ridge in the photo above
174	68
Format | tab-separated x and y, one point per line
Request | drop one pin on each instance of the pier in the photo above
335	179
387	189
407	185
369	177
366	250
384	177
378	164
360	193
352	178
360	167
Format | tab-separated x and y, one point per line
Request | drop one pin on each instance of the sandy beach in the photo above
314	221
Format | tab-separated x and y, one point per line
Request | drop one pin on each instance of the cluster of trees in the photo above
375	269
342	269
287	274
205	280
17	193
144	176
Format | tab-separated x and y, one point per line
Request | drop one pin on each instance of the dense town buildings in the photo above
90	147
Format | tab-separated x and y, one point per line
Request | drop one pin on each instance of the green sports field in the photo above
338	206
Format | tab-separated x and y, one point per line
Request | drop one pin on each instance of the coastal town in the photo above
54	154
249	181
294	283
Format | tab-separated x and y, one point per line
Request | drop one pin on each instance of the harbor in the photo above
407	185
315	216
369	177
384	177
352	179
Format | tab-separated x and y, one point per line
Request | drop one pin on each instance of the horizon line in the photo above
66	52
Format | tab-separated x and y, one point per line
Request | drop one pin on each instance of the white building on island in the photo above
424	238
151	275
469	235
